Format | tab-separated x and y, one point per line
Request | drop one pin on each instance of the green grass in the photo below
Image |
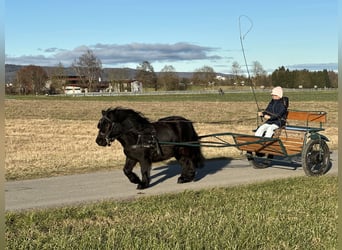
294	213
318	96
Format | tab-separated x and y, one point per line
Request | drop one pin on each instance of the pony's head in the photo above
115	122
109	129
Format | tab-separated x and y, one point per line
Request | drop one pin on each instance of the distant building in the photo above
125	85
72	90
221	78
136	87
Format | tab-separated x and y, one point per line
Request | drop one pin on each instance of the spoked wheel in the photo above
258	160
316	158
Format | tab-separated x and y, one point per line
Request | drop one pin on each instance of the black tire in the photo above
258	162
316	158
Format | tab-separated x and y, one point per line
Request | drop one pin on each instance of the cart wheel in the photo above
259	161
316	158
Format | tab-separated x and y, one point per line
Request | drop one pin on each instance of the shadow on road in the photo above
212	166
280	162
172	169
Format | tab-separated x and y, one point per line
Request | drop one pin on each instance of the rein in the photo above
106	135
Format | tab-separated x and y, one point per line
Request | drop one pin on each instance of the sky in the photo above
186	34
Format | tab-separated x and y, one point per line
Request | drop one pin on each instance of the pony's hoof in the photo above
183	180
142	186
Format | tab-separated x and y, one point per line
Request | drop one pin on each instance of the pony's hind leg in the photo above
188	170
128	170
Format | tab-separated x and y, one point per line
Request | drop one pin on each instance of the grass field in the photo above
295	213
49	136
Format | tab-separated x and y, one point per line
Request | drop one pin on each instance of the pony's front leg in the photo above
128	170
145	167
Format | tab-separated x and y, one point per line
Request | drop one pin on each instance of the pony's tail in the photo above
199	159
197	156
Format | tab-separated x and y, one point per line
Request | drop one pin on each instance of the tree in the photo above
89	69
321	79
333	78
204	75
236	70
31	80
281	77
258	70
57	79
146	75
259	74
169	78
304	78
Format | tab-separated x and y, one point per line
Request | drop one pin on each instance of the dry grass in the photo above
47	138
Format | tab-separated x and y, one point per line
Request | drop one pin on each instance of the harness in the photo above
151	142
145	140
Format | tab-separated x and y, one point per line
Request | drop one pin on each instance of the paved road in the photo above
83	188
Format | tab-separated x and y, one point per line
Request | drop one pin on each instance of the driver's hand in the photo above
267	117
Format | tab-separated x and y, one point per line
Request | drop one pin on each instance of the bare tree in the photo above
146	75
258	70
31	80
260	75
89	69
204	75
169	78
57	79
236	69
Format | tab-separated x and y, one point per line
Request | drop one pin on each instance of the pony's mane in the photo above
127	113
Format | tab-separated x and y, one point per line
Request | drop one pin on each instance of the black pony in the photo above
140	141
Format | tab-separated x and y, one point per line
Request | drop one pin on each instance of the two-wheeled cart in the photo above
291	144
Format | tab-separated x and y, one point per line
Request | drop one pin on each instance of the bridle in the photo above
106	135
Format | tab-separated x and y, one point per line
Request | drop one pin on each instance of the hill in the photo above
122	73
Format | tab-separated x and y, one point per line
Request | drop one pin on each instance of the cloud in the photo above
30	59
51	50
114	54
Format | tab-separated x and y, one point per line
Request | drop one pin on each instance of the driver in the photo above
274	114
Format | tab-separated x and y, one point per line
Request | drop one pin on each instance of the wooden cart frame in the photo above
297	140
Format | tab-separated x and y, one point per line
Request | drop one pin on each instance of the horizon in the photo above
309	67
